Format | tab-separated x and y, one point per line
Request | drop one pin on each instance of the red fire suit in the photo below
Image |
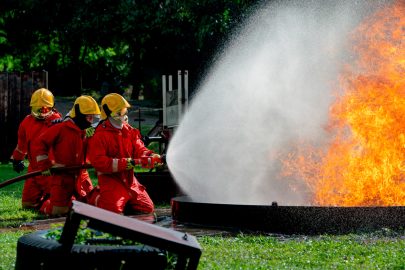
68	143
29	130
109	149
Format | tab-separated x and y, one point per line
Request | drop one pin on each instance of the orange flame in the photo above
365	162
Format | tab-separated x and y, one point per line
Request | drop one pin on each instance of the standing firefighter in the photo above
42	113
67	141
113	152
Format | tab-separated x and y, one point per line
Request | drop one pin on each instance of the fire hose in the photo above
146	162
39	172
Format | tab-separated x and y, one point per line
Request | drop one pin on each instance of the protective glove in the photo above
130	164
18	165
90	132
46	172
162	165
156	159
150	161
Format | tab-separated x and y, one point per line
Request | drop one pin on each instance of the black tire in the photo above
34	251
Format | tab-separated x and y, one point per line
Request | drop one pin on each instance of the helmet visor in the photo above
41	112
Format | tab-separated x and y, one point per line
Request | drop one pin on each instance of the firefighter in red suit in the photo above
42	114
112	152
67	140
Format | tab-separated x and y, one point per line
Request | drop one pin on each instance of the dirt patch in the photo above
161	218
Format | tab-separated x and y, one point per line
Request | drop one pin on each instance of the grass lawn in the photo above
11	213
383	250
378	250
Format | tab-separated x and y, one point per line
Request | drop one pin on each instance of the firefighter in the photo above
42	114
67	140
113	150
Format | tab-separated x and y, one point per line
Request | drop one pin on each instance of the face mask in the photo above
116	122
41	112
94	119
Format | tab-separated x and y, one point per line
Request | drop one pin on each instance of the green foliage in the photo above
3	34
8	62
87	236
113	58
154	146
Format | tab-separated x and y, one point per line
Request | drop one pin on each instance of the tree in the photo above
85	43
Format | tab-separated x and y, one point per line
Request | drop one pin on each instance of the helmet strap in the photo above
106	110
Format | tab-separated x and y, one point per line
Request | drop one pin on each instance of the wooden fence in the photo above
16	89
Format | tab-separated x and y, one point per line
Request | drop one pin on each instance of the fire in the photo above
364	163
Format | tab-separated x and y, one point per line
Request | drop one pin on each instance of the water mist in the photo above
272	85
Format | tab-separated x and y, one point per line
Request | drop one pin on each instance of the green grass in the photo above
368	251
8	246
11	212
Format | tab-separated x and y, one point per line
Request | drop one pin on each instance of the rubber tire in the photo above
36	252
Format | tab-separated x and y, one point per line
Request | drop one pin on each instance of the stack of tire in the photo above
35	251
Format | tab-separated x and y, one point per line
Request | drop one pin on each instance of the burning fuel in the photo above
364	163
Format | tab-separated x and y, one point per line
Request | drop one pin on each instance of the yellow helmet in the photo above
87	105
42	98
113	103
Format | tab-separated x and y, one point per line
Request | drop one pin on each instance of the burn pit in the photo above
276	218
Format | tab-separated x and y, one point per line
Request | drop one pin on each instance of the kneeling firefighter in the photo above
114	150
42	114
67	140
